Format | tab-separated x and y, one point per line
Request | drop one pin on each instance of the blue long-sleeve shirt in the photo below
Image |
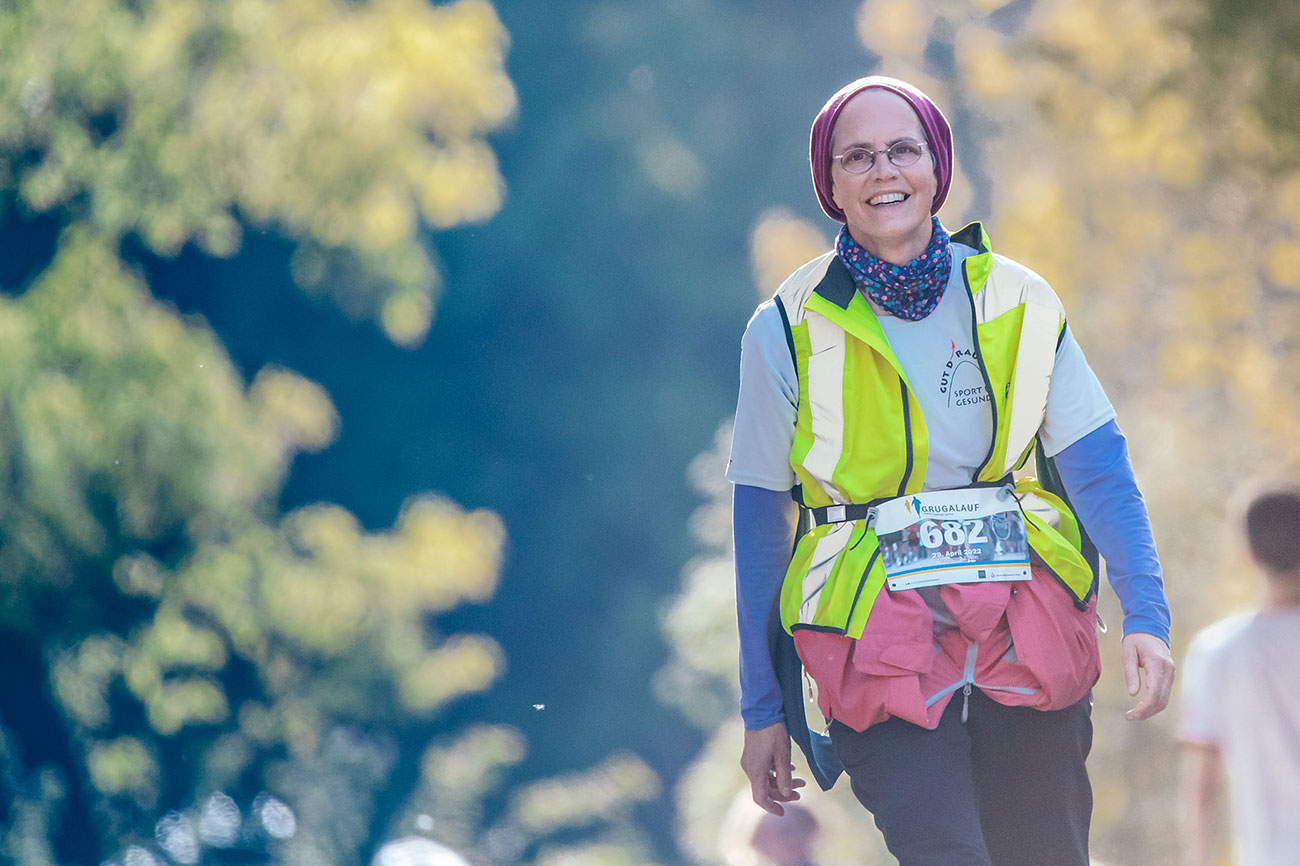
1097	476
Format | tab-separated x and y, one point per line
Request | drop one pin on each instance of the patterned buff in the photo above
909	291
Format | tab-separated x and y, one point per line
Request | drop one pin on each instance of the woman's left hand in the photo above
1148	668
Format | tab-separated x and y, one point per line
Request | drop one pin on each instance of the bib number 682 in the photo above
952	532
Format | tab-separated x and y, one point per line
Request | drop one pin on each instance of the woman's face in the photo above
892	229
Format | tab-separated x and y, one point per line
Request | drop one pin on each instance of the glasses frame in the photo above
885	150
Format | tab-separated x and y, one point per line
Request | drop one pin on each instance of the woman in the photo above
945	611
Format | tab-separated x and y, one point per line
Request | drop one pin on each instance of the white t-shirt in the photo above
938	360
1241	693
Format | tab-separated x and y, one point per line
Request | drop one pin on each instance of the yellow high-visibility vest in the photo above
860	438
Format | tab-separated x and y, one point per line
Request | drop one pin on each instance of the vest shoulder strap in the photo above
800	285
789	335
796	492
1010	284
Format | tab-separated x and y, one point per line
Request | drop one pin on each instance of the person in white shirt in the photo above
1241	707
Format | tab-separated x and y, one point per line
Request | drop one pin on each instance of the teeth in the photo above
887	198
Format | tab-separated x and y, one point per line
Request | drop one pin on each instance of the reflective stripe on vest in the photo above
859	434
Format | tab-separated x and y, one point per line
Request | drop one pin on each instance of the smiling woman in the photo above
908	373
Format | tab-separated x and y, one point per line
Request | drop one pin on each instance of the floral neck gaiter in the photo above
909	291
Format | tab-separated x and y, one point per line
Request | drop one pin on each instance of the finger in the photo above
1143	709
1158	673
1129	661
786	796
777	796
784	780
1150	701
759	789
1162	683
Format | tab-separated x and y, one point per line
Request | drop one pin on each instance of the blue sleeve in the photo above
764	536
1099	480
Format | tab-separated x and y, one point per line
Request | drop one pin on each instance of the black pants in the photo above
1006	788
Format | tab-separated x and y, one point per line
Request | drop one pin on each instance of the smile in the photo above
888	198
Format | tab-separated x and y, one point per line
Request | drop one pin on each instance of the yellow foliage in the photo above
464	664
581	799
340	127
182	702
780	243
406	317
464	764
336	122
456	554
328	533
1081	28
1283	263
982	56
894	29
142	673
298	410
174	642
81	679
1202	255
1184	363
1288	198
123	766
318	609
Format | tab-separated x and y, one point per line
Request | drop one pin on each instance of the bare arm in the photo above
1202	810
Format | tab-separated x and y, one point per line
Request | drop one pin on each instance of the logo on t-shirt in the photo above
961	380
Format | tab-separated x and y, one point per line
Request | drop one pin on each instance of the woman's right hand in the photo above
766	761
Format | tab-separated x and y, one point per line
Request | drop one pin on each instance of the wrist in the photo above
1135	625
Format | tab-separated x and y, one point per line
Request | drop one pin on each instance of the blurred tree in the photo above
187	672
1256	44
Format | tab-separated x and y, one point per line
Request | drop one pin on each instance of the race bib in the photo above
952	536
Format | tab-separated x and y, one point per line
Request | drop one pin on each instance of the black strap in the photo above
821	516
859	511
789	335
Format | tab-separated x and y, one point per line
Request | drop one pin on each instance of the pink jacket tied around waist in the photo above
901	664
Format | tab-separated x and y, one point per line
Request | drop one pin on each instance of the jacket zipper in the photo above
866	574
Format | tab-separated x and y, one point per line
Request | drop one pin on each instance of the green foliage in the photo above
177	121
1258	41
193	640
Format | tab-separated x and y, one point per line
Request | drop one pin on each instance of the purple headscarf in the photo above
938	136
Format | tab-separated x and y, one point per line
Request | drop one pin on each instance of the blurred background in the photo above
366	371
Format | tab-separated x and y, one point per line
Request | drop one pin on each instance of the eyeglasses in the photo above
859	160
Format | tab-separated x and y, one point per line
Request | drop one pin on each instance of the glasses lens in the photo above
856	160
904	152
